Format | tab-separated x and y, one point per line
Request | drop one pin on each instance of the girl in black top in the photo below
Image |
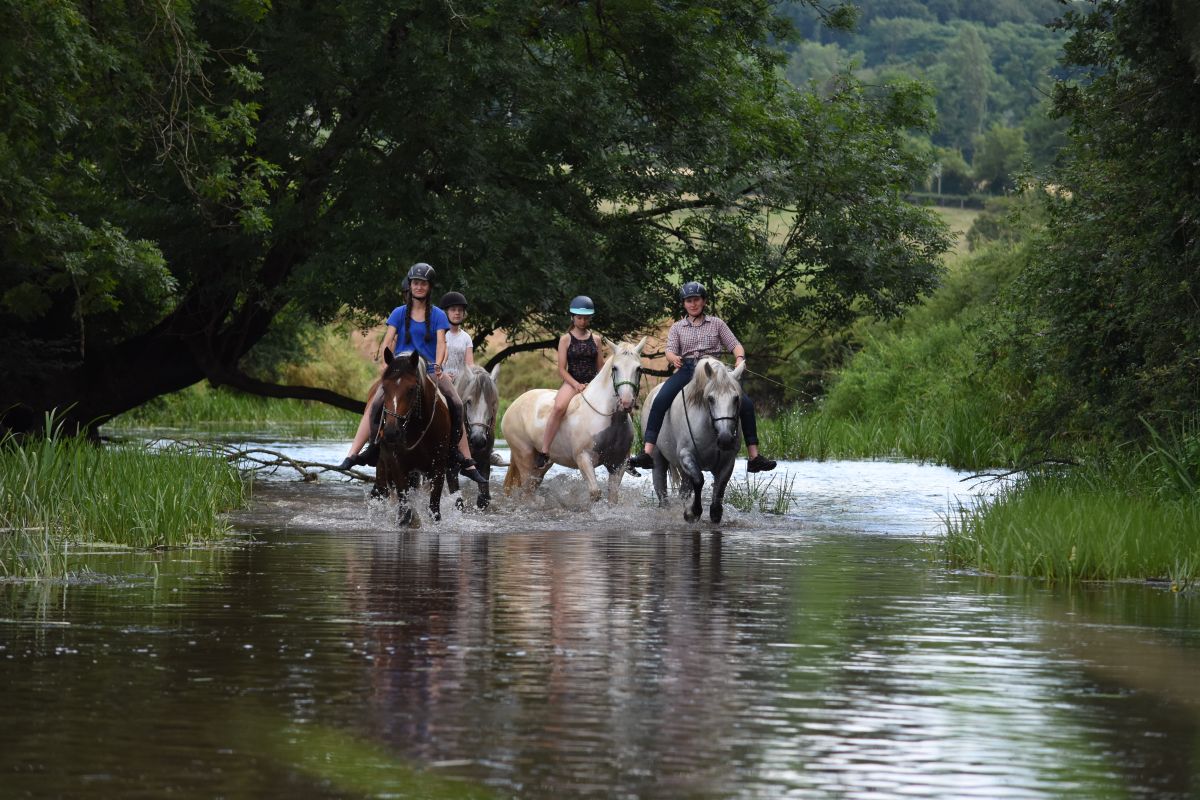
579	359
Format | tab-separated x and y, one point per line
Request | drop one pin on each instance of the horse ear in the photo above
640	345
414	358
738	370
496	374
388	358
707	369
609	343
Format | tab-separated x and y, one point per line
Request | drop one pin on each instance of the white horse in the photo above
595	431
701	432
477	390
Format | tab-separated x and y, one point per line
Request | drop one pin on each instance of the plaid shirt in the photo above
711	337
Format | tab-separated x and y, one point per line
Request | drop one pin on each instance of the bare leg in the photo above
364	425
561	401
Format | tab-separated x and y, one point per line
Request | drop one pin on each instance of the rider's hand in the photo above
579	389
675	360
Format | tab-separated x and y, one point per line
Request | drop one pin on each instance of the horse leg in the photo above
614	482
660	477
404	512
720	480
588	470
435	493
484	498
693	475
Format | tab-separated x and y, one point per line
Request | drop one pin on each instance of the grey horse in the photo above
701	433
476	388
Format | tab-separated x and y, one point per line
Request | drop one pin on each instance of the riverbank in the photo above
59	494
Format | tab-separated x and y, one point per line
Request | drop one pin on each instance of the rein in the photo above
616	384
403	419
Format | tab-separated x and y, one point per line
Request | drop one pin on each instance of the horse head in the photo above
625	365
477	390
403	388
715	388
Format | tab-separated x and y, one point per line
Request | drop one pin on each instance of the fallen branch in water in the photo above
999	476
258	459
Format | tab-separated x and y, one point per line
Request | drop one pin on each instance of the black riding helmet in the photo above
692	289
583	305
450	299
420	271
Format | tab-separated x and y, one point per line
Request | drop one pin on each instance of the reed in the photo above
60	492
1099	522
771	495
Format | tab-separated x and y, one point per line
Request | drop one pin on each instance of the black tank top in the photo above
581	359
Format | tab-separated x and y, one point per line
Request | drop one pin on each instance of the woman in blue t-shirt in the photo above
419	325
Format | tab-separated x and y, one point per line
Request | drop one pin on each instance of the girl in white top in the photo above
459	348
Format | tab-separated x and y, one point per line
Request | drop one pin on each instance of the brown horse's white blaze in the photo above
596	431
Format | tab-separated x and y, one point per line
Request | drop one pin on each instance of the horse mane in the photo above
701	379
476	374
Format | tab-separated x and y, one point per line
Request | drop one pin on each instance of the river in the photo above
557	649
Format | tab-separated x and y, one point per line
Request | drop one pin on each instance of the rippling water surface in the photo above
558	649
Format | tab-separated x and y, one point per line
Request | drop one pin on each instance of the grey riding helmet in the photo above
583	305
692	289
450	299
420	272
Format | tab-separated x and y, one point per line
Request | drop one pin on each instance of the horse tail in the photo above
512	480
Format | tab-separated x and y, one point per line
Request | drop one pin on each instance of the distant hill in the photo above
991	64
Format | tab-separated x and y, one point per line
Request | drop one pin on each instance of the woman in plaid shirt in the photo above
696	335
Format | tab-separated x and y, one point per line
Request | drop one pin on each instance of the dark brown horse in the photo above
414	433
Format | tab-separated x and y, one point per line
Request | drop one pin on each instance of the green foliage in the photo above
1104	323
1096	522
240	159
205	407
1000	154
1008	220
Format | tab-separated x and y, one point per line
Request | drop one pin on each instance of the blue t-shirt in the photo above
416	333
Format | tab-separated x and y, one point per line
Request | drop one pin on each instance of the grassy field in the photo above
59	493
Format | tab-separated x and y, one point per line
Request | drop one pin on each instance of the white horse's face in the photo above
627	372
722	402
478	394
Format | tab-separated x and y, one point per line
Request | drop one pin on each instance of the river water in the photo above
557	649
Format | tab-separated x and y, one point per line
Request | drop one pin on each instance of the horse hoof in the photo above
691	516
404	517
482	501
715	513
459	504
596	496
437	516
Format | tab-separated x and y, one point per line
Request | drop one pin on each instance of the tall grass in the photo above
1133	515
58	492
908	397
205	407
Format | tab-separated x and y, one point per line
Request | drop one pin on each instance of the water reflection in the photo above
566	649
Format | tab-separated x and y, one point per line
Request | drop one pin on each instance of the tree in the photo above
999	155
200	168
965	77
1108	317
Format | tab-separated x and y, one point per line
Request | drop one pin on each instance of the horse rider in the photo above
696	335
579	360
419	325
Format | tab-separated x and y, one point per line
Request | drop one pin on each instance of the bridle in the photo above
616	386
711	419
402	420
